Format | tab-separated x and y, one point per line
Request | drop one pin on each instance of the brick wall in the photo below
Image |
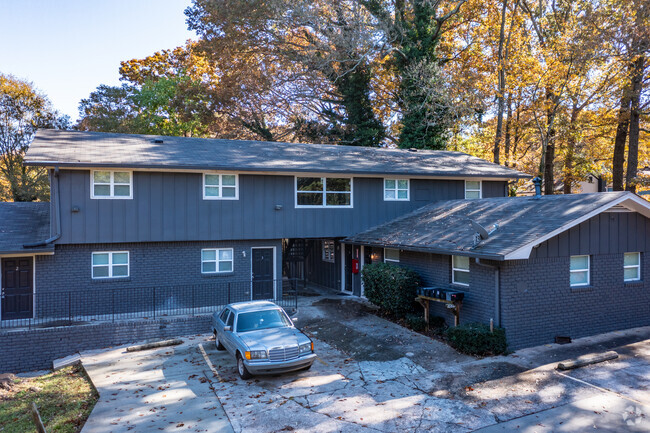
539	304
151	264
29	350
435	270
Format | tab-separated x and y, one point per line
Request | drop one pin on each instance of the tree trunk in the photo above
621	136
569	158
507	137
633	144
502	84
548	151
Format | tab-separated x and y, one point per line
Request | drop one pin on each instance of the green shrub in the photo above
390	287
416	322
437	322
476	339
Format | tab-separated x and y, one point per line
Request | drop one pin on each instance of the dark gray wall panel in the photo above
170	207
607	233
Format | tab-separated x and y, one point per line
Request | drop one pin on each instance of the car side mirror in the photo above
227	328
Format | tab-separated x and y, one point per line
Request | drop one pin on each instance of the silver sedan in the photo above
262	338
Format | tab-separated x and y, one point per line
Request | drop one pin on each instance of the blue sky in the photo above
69	47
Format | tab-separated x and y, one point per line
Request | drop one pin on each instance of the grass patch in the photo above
64	399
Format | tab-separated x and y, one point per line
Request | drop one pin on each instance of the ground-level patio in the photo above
372	375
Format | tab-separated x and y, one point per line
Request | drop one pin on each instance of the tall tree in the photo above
23	110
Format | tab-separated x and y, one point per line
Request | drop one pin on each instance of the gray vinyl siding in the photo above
169	206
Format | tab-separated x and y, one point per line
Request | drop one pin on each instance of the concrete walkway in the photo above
167	389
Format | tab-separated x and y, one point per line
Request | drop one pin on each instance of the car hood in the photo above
275	337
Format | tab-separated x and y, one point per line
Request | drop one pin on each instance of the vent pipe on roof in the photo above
537	181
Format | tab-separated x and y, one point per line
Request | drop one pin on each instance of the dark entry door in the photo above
263	273
352	280
17	288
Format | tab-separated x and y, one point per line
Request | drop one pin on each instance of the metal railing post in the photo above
154	302
229	284
193	301
70	307
113	304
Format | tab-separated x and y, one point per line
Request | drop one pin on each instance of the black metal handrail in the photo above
65	308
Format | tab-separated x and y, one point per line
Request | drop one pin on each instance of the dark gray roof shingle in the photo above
444	227
23	223
88	149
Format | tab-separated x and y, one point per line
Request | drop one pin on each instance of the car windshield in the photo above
261	320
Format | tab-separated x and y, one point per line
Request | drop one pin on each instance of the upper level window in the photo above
391	255
579	271
220	186
328	251
473	189
323	191
111	184
632	266
110	264
216	260
396	189
460	270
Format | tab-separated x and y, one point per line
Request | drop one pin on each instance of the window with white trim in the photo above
328	251
396	189
111	184
216	260
391	255
632	266
473	189
110	264
323	192
579	271
460	270
220	186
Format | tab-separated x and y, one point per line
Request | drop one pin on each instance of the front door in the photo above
17	288
263	264
352	280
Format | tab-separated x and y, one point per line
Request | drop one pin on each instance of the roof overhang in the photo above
269	170
630	201
441	251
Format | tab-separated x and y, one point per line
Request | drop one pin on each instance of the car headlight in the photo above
256	354
306	348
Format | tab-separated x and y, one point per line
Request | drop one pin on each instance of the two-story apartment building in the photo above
149	224
133	211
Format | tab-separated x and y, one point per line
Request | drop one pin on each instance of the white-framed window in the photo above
328	251
396	189
460	270
391	255
323	192
473	189
632	266
218	186
110	264
579	271
216	260
111	184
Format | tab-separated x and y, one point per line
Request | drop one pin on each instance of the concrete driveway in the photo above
371	375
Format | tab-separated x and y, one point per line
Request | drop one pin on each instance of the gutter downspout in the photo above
497	290
57	214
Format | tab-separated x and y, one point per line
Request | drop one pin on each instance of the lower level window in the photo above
216	260
328	251
111	264
391	255
579	271
460	270
632	266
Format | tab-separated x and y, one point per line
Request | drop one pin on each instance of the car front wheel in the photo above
241	368
217	342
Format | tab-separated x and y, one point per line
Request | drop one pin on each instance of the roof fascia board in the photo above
26	253
640	205
86	167
440	251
